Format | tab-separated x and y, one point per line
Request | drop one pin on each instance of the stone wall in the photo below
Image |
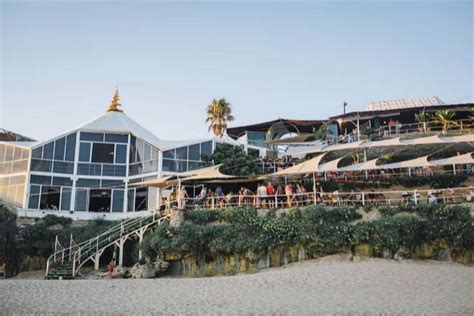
185	264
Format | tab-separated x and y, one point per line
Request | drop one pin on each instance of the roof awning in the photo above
308	166
417	162
367	165
455	160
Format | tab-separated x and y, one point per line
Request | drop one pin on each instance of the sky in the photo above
61	61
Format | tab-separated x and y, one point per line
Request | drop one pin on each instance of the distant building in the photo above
378	118
91	170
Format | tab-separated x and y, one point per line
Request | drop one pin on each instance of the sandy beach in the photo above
333	285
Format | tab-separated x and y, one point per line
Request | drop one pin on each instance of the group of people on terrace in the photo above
287	195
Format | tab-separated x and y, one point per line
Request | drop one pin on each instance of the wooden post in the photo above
314	189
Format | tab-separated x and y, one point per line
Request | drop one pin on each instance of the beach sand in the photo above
332	285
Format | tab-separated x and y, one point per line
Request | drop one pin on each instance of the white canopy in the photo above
308	166
456	160
367	165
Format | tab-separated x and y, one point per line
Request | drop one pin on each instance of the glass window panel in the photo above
169	165
112	184
2	153
182	166
182	153
147	152
33	200
40	179
63	167
20	166
20	191
88	183
103	153
154	153
108	170
59	148
95	137
133	148
140	150
25	154
116	138
50	197
206	149
70	147
136	169
61	181
120	171
17	153
135	180
9	153
89	169
169	154
117	200
194	152
131	200
37	152
85	152
41	165
81	200
195	165
48	150
120	153
150	166
66	198
141	199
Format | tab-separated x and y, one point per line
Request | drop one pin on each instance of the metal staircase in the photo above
65	263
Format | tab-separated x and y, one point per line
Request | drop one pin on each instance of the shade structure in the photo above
203	174
398	141
161	183
210	174
308	166
330	165
366	165
455	160
412	163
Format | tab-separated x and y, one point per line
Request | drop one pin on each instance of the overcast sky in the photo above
60	62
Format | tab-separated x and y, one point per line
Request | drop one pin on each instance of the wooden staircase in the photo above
65	263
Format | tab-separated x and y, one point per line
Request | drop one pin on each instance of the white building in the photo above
89	172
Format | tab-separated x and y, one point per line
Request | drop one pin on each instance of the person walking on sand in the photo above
110	269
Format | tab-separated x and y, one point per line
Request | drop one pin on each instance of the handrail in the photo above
118	230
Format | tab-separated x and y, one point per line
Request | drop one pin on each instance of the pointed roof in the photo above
119	122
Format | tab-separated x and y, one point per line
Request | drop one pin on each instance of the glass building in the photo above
95	169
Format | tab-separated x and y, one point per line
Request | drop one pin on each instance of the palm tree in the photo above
446	119
219	113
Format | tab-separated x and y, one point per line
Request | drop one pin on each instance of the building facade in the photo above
95	170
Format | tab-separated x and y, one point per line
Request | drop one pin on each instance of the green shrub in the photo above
200	217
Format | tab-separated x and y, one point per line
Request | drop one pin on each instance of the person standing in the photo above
270	194
182	195
261	195
110	269
289	194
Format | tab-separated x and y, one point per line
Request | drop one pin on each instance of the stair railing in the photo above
76	251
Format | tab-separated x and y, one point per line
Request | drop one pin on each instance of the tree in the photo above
8	243
423	118
322	133
219	113
446	119
235	161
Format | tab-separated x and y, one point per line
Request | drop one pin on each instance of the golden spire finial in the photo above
114	105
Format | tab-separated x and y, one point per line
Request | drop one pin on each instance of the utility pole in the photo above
344	106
